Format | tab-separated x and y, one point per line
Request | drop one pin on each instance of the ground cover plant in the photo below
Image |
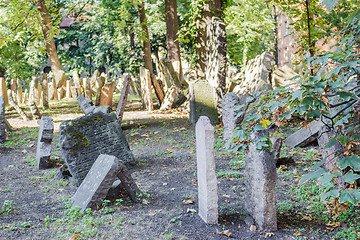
35	205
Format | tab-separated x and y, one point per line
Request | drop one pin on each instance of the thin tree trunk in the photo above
46	26
147	52
276	38
308	19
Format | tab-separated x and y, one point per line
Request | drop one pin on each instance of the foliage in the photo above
7	207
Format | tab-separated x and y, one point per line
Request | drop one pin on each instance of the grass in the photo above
22	137
7	207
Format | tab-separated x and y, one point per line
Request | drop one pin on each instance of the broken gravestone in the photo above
305	135
99	180
82	140
260	182
87	106
2	120
202	102
229	116
43	150
207	181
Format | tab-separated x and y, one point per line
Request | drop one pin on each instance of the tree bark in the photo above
46	26
147	52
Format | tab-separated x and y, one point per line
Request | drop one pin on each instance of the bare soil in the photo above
163	145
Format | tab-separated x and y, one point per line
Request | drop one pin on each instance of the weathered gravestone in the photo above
87	106
260	182
45	88
146	96
60	78
99	180
216	57
207	181
33	108
2	120
202	102
3	90
43	151
100	83
107	92
19	92
68	93
229	116
305	135
82	140
123	97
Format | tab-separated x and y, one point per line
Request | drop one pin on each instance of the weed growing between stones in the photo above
7	207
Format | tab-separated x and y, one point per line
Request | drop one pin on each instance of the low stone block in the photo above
43	150
43	154
304	136
229	116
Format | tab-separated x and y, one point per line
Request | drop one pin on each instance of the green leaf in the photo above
350	177
347	196
312	175
258	127
297	94
352	161
333	193
330	4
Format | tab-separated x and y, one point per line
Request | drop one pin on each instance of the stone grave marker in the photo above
146	96
305	135
202	102
2	120
86	104
3	90
60	78
45	87
123	97
229	116
19	96
260	182
33	108
107	92
68	93
82	140
43	151
100	84
207	181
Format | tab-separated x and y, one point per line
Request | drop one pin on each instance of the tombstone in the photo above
73	91
2	120
13	87
61	91
33	108
207	181
100	83
260	181
43	151
68	89
305	135
60	78
107	92
146	93
99	180
256	76
82	140
202	102
37	93
123	97
282	76
87	88
26	96
18	109
93	79
3	90
19	93
216	57
229	116
45	87
77	85
86	104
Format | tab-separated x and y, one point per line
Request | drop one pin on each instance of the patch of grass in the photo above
7	208
21	137
230	174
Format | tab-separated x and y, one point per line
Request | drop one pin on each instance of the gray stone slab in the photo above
304	136
46	130
207	181
123	97
43	150
97	183
86	104
146	96
43	154
203	102
229	116
2	120
82	140
260	181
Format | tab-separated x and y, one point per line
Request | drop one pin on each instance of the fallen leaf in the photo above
152	174
226	233
74	237
164	184
191	210
298	233
195	184
227	196
227	200
31	145
252	228
333	224
188	201
268	235
24	151
282	168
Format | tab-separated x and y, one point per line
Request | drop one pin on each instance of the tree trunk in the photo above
46	26
147	52
209	10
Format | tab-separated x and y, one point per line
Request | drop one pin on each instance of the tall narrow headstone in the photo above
77	84
203	102
207	181
3	90
2	120
45	87
146	96
33	108
68	89
60	79
107	92
229	116
216	57
123	97
43	151
100	83
87	88
260	182
19	93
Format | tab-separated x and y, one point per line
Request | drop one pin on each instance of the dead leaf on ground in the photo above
298	233
226	233
188	201
332	225
268	235
191	210
252	228
193	183
282	168
74	237
227	196
152	174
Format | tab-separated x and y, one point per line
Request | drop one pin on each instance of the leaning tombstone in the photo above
86	104
207	181
2	120
19	92
18	109
146	96
123	97
229	116
98	181
100	83
3	90
202	102
304	135
79	89
82	140
68	93
60	78
33	108
43	151
260	181
45	90
107	92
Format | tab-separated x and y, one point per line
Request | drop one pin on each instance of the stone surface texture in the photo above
43	150
207	181
146	97
229	116
124	92
82	140
260	182
2	120
305	135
